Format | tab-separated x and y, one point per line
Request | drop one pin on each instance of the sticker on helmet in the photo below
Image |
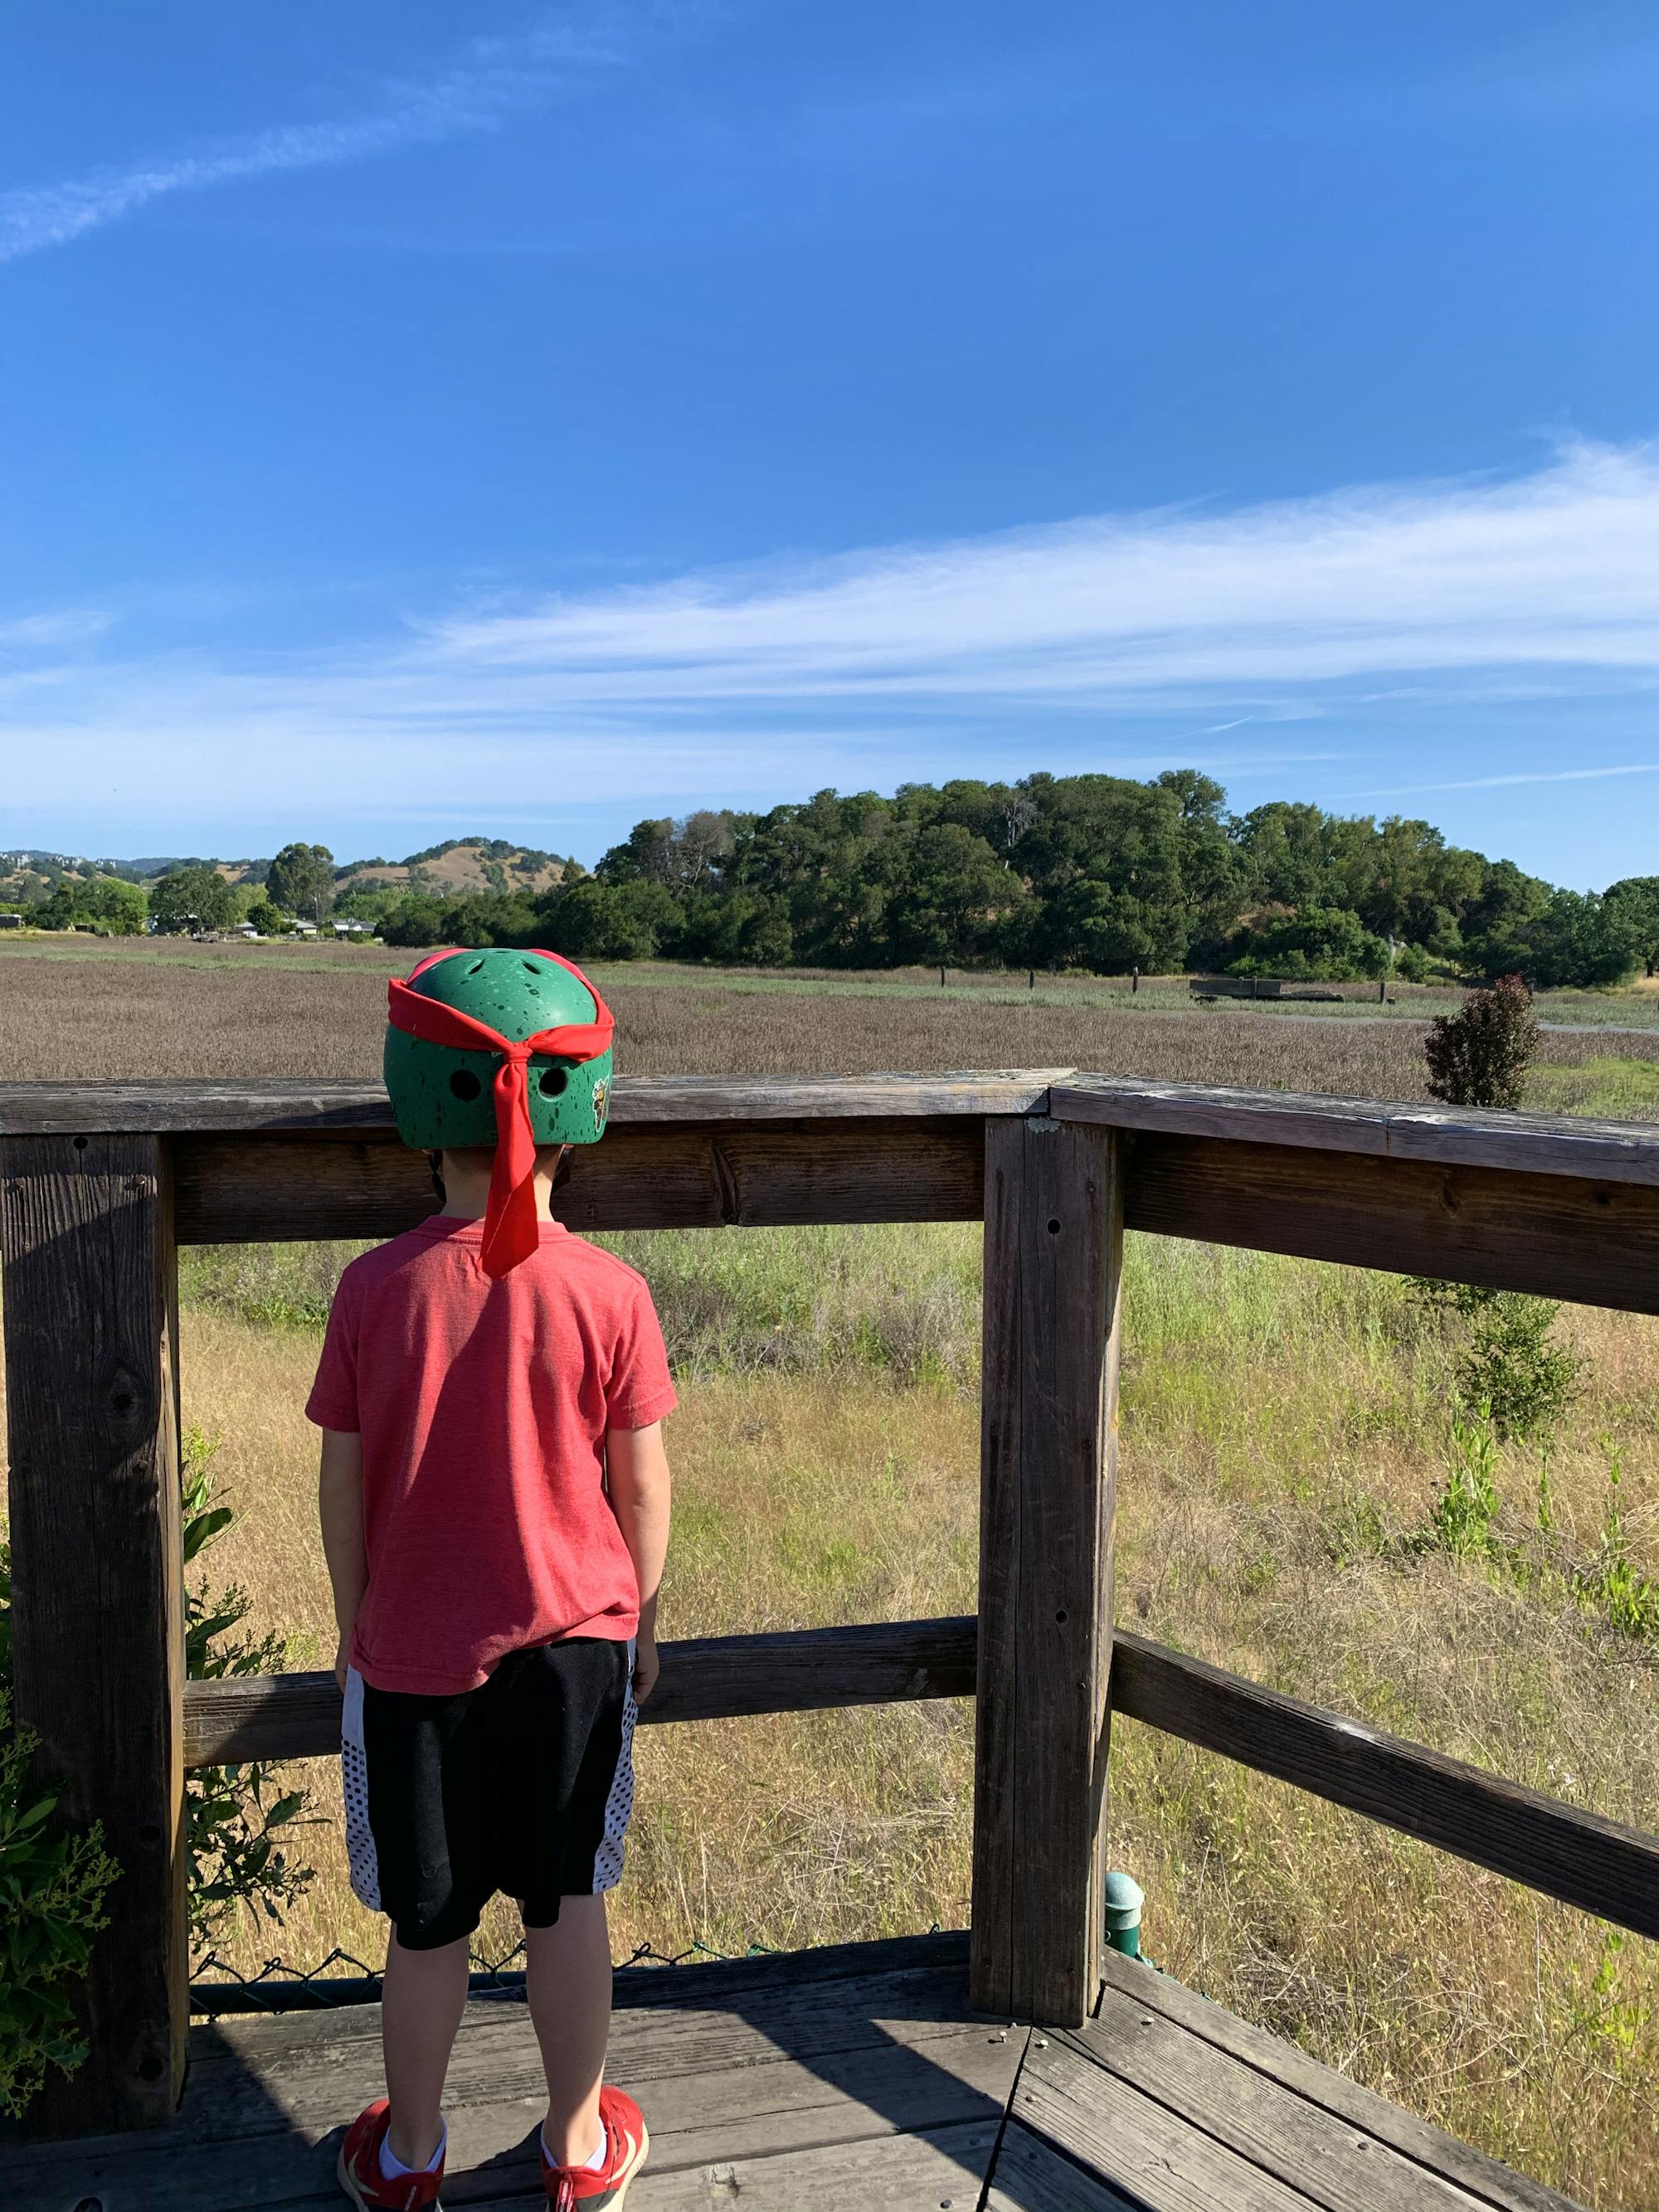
601	1100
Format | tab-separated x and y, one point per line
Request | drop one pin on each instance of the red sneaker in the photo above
602	2188
359	2169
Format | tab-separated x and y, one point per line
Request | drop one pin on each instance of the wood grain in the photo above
242	1188
1430	2149
319	1108
1257	2117
1569	1854
703	1678
1458	1136
757	2062
1584	1239
1053	1260
97	1610
1160	2161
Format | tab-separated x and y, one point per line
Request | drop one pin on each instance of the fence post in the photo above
1054	1240
92	1393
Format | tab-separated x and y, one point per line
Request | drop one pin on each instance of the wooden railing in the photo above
99	1182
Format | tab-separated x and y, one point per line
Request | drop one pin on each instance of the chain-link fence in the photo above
343	1979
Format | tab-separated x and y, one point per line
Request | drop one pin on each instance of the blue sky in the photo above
416	420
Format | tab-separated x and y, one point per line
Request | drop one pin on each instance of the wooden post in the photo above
1053	1215
91	1388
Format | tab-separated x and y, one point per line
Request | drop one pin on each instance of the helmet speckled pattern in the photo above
443	1097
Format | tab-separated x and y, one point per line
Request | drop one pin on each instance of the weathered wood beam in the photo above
1457	1136
244	1189
97	1631
1595	1242
317	1107
1577	1856
1053	1242
705	1677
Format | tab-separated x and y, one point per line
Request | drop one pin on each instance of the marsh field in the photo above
1303	1496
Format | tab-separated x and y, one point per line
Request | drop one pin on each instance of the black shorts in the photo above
523	1786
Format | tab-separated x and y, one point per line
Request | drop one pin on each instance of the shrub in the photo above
234	1816
1479	1056
52	1885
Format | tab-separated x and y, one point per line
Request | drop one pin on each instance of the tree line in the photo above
1094	872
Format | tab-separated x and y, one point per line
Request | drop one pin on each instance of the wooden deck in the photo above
831	2080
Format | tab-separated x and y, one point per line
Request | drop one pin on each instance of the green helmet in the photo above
443	1095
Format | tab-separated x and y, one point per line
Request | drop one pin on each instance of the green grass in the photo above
1613	1087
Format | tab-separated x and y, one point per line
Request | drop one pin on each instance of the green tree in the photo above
1575	939
1634	902
269	920
194	895
1330	943
301	880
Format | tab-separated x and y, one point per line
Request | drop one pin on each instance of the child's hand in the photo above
647	1667
341	1661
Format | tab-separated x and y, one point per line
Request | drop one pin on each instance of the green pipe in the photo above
1124	1898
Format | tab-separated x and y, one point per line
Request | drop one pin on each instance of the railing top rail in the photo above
297	1107
1538	1144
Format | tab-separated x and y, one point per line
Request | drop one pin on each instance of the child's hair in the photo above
485	1153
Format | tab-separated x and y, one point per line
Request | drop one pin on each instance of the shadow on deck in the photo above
853	2077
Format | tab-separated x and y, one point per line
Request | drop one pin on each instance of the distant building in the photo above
11	922
352	929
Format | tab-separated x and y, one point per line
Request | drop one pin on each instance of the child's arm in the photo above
636	1473
340	1510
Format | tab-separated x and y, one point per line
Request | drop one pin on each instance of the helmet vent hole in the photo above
464	1083
474	968
552	1081
531	969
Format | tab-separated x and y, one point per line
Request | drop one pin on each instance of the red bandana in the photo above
510	1232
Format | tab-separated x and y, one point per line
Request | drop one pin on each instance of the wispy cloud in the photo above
1556	569
490	81
1502	782
59	626
1372	608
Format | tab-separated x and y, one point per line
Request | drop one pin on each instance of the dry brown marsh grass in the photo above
159	1010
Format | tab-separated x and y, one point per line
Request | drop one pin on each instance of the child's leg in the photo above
420	2009
569	1993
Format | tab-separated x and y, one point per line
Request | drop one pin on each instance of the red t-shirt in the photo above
482	1407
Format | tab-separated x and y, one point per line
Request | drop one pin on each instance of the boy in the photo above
494	1498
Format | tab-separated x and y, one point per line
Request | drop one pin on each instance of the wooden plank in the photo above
940	1952
1536	1143
1135	2144
760	2070
944	2167
1053	1259
317	1107
1030	2175
1270	2056
1593	1241
1262	2120
246	1189
1569	1854
703	1678
97	1634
